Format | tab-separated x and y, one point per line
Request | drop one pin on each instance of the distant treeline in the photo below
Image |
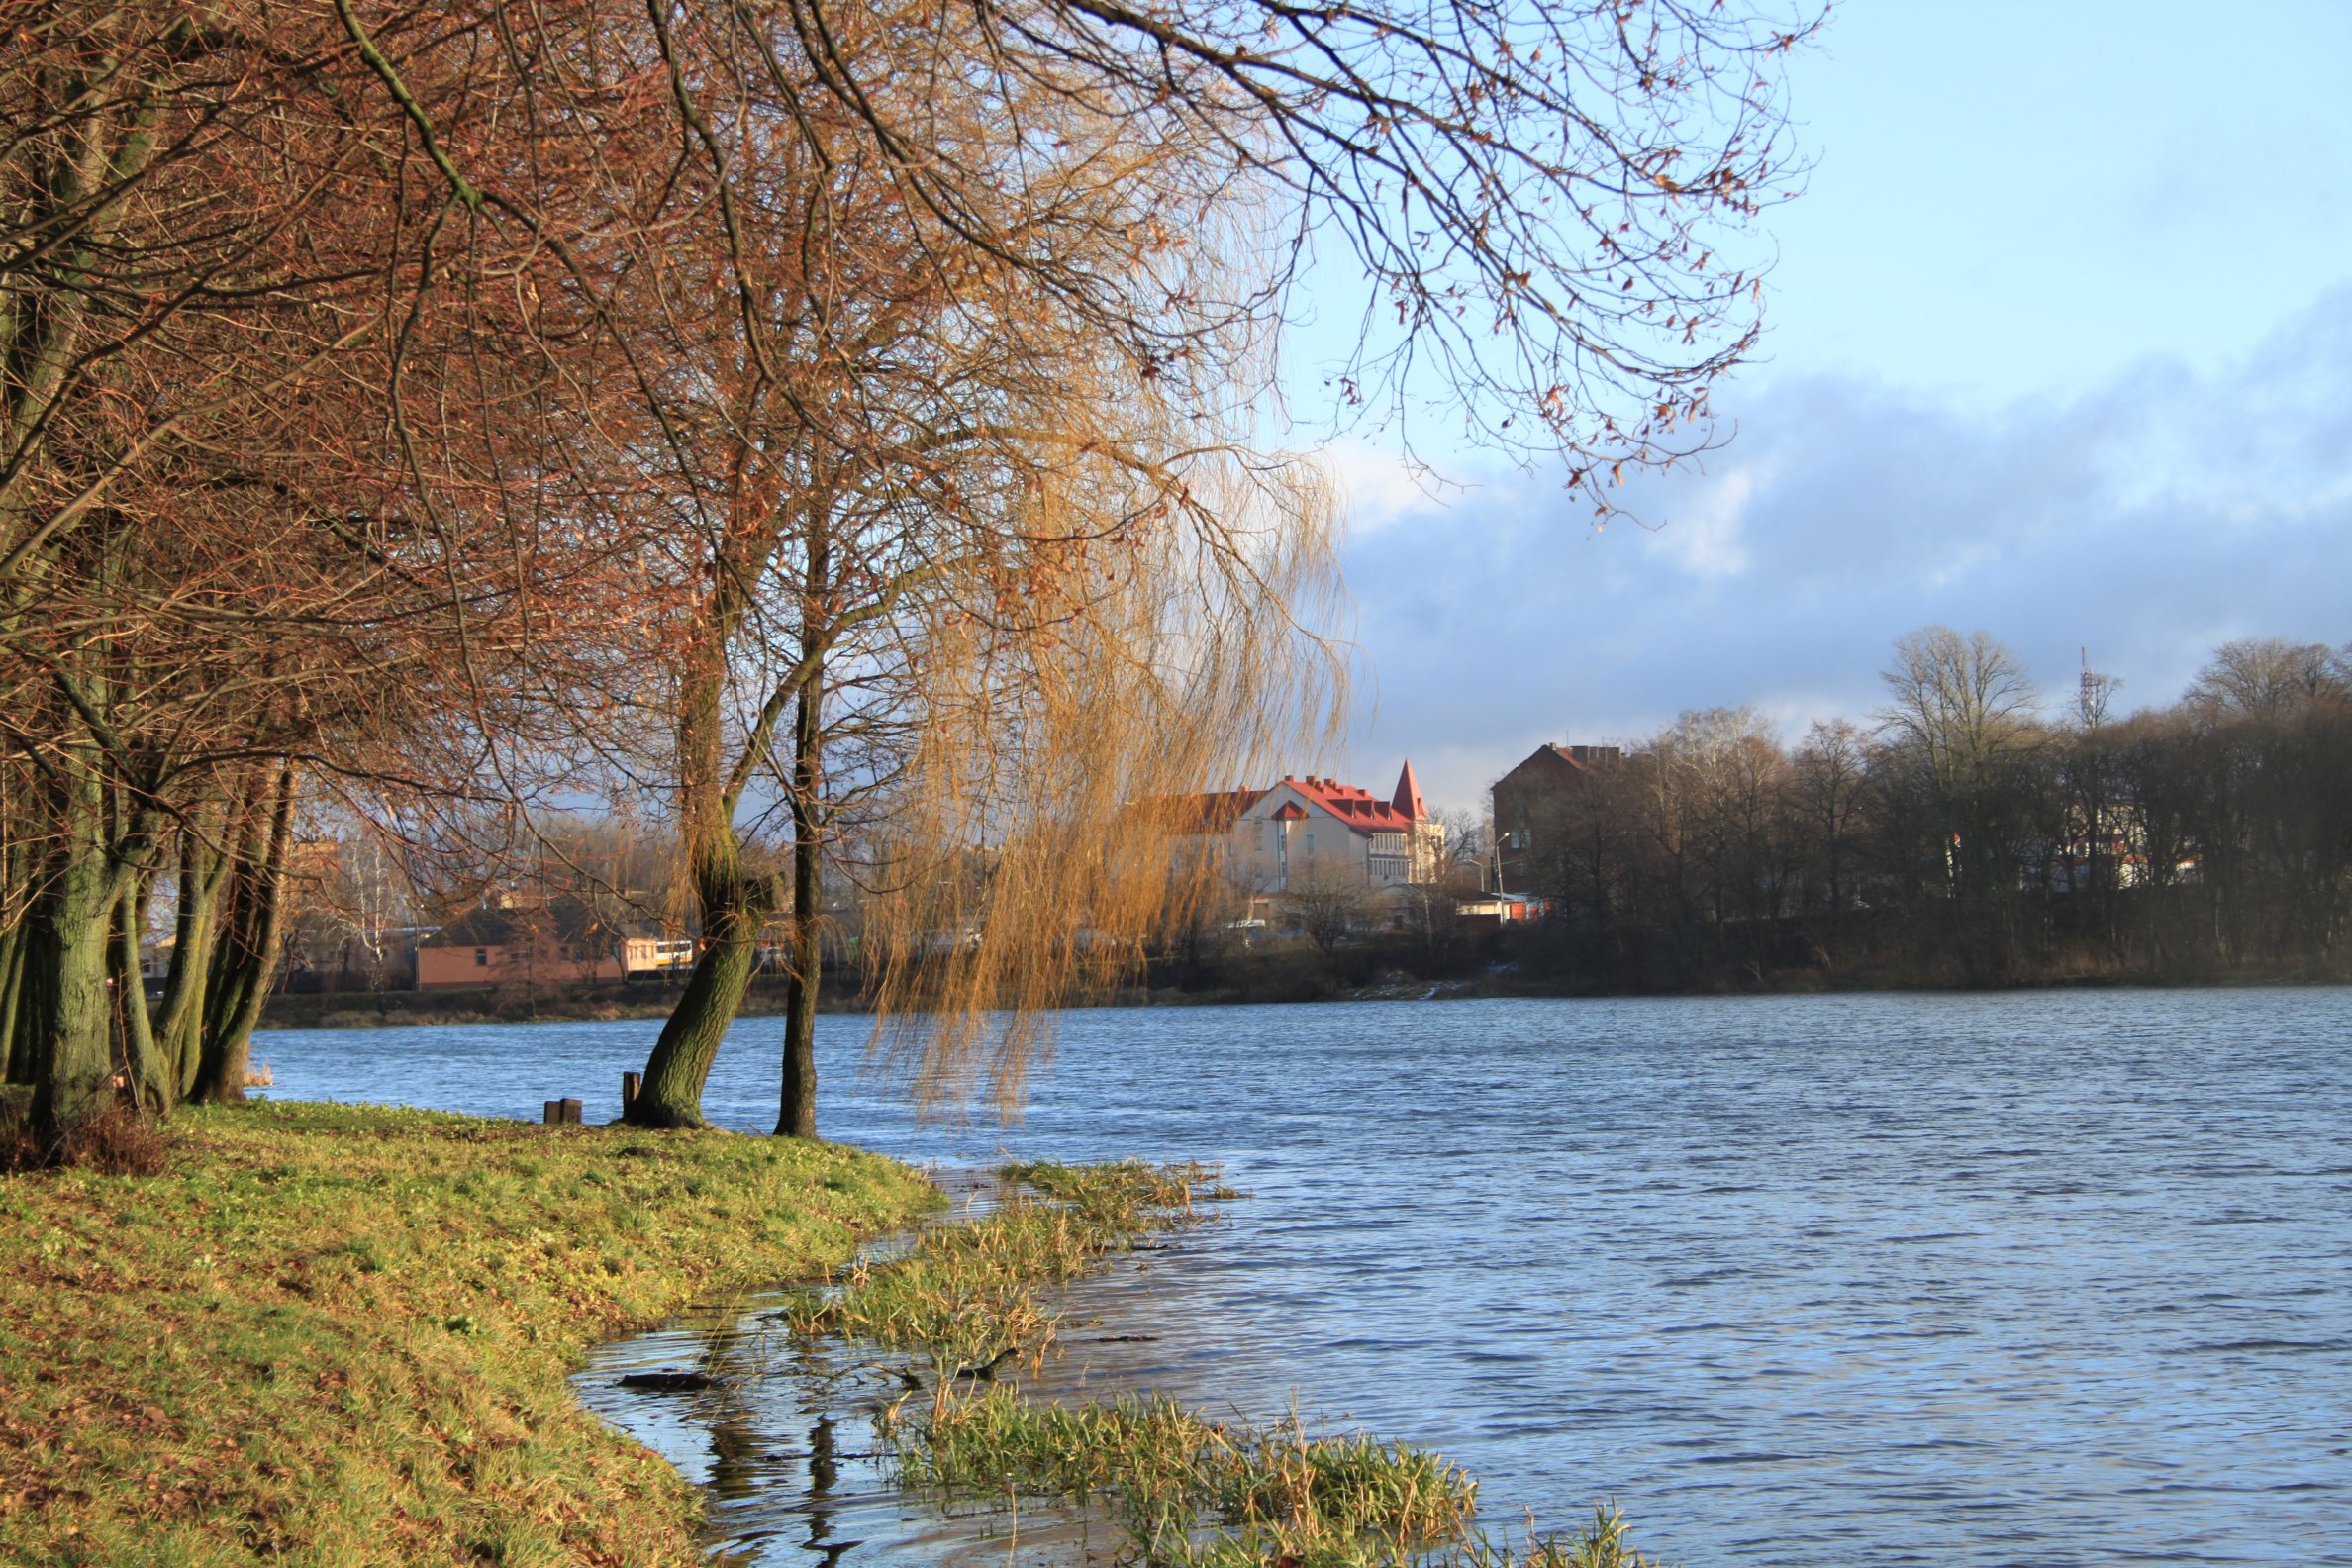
1966	835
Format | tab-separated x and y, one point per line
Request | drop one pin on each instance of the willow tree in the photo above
891	435
927	693
1540	195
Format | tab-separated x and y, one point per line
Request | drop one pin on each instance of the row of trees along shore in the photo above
850	433
1968	835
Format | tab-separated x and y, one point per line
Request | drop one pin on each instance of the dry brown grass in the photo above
122	1143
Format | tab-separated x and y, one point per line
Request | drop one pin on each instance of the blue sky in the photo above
2060	347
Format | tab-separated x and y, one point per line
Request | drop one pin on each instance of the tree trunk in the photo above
248	956
734	905
671	1095
179	1022
796	1115
733	908
65	992
151	1080
16	1053
215	992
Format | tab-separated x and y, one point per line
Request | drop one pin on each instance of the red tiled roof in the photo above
1362	810
1357	807
1407	798
1213	813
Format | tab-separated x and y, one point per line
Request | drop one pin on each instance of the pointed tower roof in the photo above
1409	796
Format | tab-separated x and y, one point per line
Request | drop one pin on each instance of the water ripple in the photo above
2054	1279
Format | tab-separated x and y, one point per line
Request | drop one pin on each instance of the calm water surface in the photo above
2056	1277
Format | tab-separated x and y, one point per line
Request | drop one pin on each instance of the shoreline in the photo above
335	1334
381	1010
952	1350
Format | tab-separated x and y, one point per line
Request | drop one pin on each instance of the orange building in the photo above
557	942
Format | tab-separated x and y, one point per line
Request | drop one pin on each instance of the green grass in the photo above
965	1296
1190	1491
1128	1197
340	1335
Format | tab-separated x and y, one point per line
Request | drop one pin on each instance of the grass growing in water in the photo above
966	1295
334	1335
1130	1196
1190	1493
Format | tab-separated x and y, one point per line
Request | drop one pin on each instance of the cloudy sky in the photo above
2061	347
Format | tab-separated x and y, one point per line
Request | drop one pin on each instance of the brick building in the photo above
1531	800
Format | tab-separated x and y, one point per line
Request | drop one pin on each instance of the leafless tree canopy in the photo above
1971	834
855	428
1550	203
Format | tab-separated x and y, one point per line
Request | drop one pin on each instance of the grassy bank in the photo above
333	1335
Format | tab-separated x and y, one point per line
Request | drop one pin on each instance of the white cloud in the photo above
1707	537
2148	518
1379	486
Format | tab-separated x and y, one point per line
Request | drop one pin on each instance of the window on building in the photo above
481	957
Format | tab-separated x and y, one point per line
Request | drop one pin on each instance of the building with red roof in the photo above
1318	829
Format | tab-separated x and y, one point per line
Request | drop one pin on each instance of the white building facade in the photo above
1317	831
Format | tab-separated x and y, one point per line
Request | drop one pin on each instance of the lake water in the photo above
2045	1278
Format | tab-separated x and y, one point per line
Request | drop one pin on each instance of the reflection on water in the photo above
786	1442
2058	1278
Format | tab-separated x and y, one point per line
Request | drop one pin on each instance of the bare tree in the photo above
1467	840
2268	678
1327	906
958	565
1961	720
283	488
1548	200
1964	703
1832	772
